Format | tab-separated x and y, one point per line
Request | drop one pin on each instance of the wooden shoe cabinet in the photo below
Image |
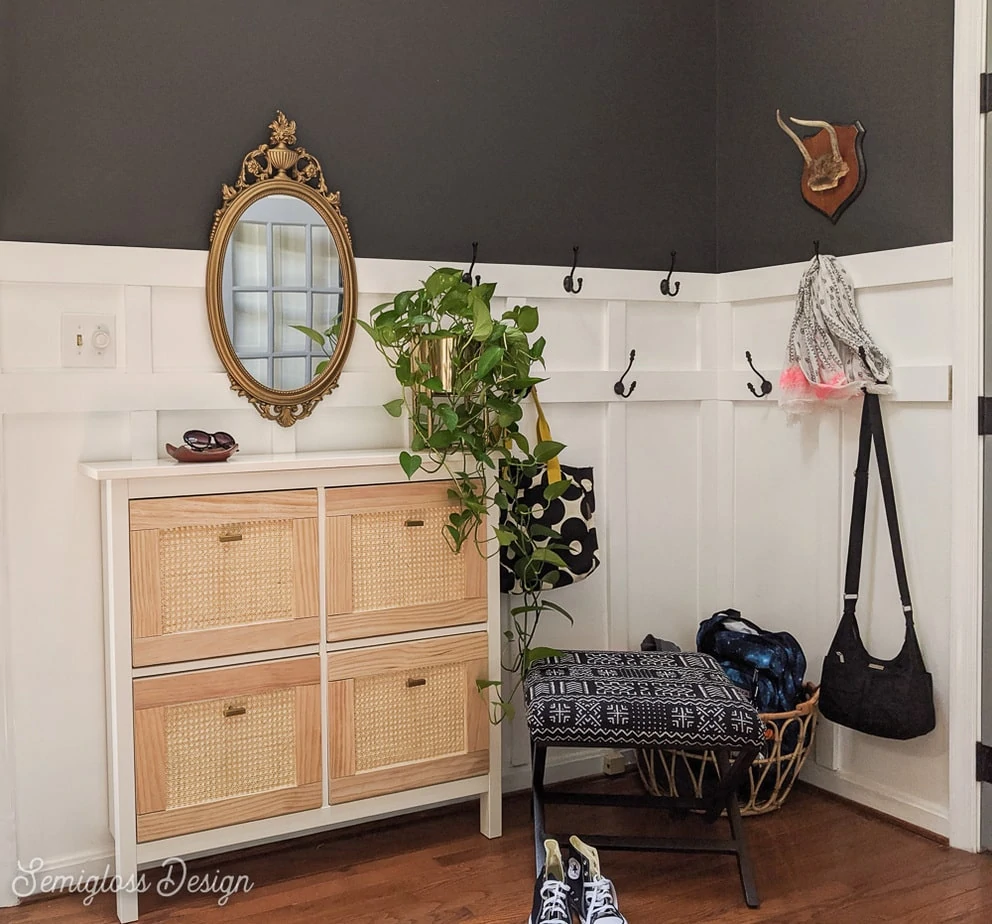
291	646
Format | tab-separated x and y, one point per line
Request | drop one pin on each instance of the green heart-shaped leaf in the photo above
556	489
482	320
394	408
448	415
546	450
410	463
527	318
489	359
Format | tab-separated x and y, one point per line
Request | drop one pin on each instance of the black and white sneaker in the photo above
551	901
592	894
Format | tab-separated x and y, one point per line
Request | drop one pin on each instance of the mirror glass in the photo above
282	271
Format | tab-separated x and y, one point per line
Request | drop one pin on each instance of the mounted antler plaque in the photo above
833	164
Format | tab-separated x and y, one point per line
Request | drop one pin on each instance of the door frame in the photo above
8	830
964	694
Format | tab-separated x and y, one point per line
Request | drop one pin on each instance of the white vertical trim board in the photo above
966	449
614	484
716	453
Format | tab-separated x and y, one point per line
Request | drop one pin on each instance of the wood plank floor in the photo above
816	860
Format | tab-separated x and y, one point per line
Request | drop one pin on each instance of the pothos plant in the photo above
465	375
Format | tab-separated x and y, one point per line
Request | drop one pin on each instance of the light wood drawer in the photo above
389	567
223	574
225	746
407	715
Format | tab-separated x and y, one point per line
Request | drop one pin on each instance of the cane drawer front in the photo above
225	746
407	715
389	566
223	574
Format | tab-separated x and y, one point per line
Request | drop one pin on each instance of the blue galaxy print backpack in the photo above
769	665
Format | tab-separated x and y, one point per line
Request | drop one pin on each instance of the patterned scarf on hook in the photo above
824	363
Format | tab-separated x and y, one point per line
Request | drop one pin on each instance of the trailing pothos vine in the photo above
465	375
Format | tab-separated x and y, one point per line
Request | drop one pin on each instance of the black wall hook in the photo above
467	277
816	250
618	387
571	284
765	387
666	284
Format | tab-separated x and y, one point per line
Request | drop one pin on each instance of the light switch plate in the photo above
89	341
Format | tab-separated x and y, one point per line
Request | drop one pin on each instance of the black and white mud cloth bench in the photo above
645	699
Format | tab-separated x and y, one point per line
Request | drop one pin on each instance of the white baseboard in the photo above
567	765
927	815
32	879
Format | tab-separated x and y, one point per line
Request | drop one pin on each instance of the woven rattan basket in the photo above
771	776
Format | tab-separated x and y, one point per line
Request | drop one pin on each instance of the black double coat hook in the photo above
571	284
467	277
618	387
765	388
666	284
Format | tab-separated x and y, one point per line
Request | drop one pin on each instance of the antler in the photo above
802	147
816	123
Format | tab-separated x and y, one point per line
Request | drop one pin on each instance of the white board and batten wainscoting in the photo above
706	497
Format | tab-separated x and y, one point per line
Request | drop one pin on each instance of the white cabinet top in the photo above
242	464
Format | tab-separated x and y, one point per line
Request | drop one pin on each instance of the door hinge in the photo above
983	763
985	93
984	416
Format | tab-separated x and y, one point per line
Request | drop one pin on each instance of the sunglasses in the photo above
200	440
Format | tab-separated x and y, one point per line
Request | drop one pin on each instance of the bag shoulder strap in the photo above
544	433
872	430
859	505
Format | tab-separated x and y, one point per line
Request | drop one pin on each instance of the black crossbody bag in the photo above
890	699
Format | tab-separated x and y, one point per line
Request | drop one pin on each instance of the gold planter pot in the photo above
439	354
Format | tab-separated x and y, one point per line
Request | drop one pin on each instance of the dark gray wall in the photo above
527	125
885	62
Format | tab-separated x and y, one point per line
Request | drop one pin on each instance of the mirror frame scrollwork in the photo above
280	168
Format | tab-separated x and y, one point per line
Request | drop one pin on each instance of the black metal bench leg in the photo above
737	832
538	758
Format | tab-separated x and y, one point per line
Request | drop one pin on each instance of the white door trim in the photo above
8	830
964	699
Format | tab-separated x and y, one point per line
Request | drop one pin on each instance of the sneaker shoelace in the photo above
554	903
601	901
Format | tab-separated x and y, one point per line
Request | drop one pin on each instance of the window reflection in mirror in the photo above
282	272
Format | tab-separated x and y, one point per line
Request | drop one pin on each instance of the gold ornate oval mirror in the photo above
281	280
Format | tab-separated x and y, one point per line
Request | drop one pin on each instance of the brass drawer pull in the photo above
419	682
231	537
234	710
414	522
